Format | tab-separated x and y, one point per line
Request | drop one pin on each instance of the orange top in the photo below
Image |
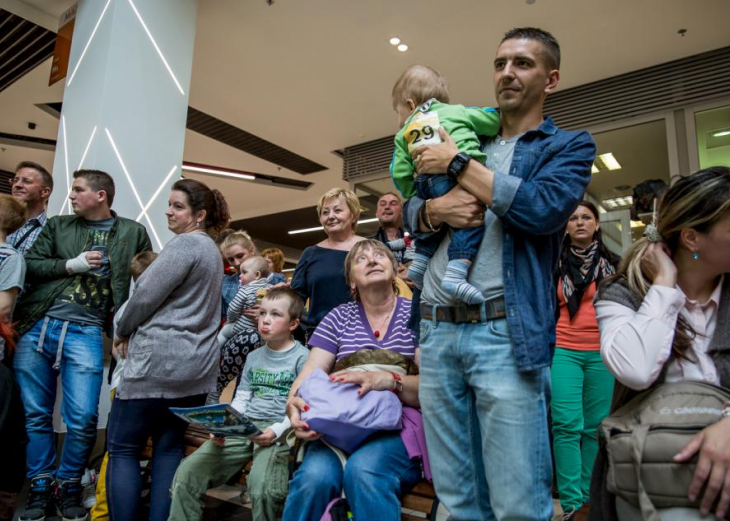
581	333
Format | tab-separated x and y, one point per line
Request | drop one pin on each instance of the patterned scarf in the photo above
577	273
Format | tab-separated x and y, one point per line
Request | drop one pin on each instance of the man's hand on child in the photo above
435	159
219	441
264	439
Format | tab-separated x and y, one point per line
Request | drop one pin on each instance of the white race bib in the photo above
423	130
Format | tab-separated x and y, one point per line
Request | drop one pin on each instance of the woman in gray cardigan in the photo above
167	335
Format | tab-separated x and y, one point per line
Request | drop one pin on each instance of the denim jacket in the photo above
548	176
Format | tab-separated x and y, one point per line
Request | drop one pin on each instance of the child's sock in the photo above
417	269
455	283
399	244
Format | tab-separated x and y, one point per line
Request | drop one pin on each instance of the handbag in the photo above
345	418
643	436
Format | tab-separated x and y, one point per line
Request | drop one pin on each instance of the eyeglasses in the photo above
25	180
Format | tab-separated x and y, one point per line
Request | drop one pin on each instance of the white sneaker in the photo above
88	481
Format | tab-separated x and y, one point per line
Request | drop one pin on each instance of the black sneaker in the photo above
40	499
69	502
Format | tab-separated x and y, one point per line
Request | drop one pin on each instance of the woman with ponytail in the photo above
581	385
167	334
665	317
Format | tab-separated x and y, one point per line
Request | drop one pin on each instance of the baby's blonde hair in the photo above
420	83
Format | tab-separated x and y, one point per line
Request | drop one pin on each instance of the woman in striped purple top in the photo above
378	471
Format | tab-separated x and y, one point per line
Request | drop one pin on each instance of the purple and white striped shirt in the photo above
345	330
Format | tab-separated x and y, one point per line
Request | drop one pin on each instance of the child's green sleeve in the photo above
401	168
484	121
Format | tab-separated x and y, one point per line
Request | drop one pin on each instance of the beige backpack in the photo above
644	435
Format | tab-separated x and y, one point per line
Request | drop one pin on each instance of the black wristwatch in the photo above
457	165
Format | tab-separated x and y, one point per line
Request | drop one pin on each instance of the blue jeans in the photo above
464	241
131	424
486	423
375	477
81	367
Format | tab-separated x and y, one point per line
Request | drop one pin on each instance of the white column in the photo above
125	104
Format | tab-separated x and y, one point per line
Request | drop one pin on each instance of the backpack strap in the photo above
638	439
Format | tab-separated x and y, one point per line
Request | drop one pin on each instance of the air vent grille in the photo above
670	85
23	46
226	133
367	158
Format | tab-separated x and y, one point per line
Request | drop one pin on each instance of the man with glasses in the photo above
31	185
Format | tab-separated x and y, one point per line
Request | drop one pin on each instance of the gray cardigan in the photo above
172	319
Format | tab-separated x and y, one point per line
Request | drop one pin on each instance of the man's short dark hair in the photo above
98	181
548	41
46	178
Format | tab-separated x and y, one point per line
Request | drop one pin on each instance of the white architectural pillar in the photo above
125	104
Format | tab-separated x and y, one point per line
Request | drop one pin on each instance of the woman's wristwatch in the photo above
397	383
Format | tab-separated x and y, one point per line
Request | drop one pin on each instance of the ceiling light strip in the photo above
216	171
65	157
88	146
318	228
159	52
86	48
131	184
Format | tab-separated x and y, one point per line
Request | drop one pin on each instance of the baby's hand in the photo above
218	441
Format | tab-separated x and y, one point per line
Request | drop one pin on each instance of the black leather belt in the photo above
465	313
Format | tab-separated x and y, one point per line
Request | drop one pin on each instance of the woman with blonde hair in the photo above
235	247
320	273
665	317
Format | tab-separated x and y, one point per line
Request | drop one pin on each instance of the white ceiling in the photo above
315	76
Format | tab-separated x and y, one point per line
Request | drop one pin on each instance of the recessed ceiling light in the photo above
618	202
403	47
610	161
721	133
394	41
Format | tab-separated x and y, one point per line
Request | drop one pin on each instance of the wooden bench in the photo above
422	498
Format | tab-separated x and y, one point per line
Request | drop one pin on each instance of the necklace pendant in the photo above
376	333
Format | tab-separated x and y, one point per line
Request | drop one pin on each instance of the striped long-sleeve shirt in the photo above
345	330
245	298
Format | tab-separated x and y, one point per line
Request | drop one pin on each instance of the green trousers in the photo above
581	398
211	466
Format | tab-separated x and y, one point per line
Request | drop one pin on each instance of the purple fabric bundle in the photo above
342	416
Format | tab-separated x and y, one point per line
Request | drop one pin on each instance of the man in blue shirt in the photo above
485	379
31	185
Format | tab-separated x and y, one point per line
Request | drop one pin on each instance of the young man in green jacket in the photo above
78	271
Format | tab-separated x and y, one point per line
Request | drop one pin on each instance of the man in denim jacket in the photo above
485	380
